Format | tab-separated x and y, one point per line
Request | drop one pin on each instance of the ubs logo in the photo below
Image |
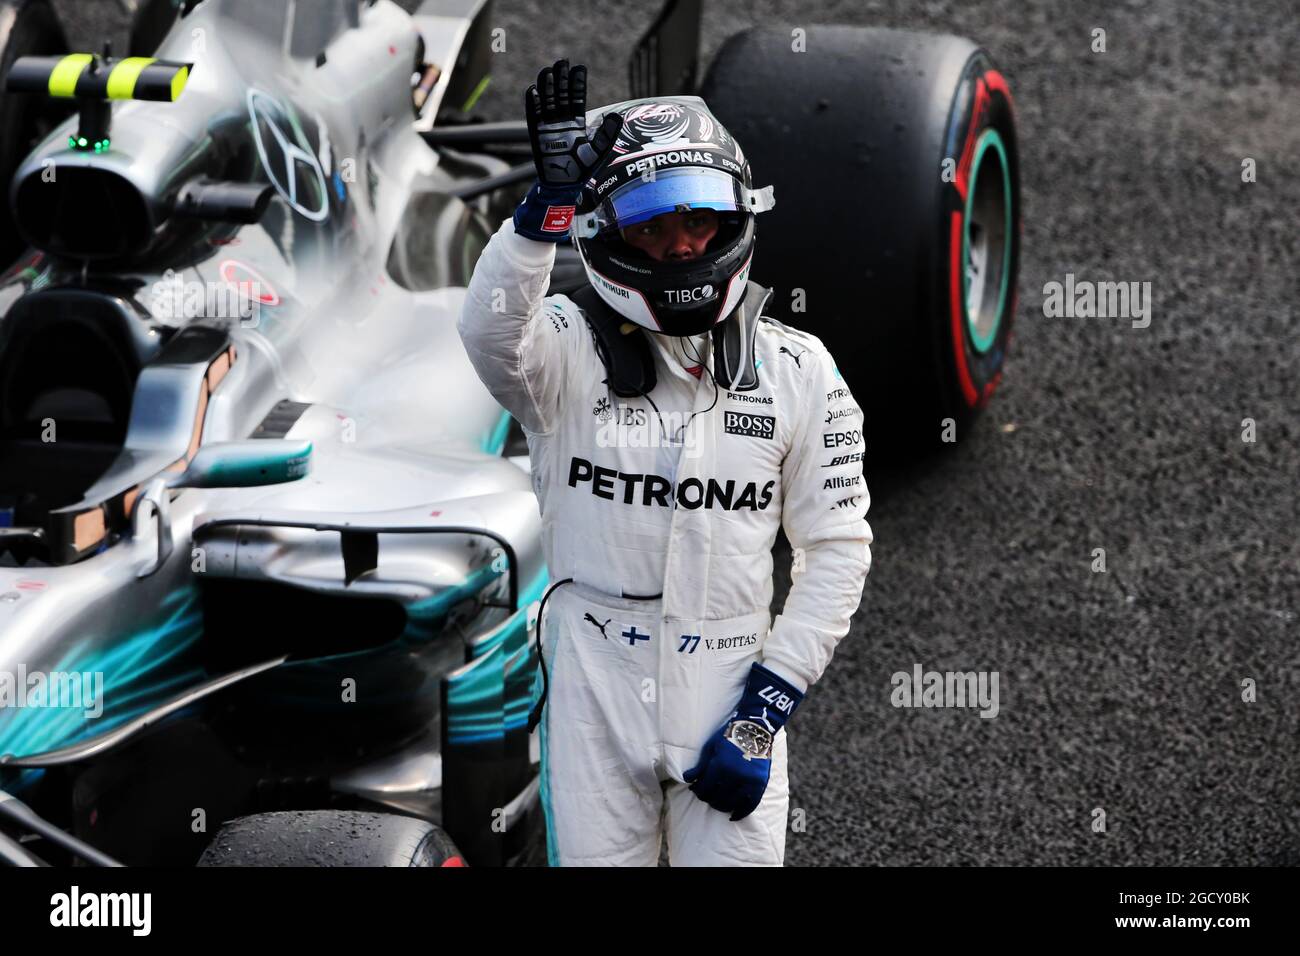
290	165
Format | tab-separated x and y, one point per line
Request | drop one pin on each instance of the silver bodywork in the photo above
403	433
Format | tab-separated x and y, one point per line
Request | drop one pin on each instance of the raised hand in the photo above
556	110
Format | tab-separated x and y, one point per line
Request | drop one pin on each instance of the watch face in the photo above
753	739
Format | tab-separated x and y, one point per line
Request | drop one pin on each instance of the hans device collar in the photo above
630	365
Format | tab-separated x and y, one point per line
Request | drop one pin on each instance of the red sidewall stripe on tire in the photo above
991	81
997	83
956	307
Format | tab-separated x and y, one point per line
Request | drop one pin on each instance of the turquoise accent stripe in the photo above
534	593
474	701
137	677
479	706
989	138
439	604
535	590
544	792
496	441
26	777
493	697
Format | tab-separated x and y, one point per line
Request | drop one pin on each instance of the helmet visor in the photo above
672	190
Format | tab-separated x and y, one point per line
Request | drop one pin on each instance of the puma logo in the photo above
600	627
793	356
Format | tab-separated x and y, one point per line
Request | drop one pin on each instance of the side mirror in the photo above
245	464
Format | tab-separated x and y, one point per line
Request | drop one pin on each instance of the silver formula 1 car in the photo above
269	552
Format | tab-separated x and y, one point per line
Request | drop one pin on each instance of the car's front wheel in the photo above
330	838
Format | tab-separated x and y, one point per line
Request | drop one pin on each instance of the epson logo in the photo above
835	439
698	294
755	426
606	184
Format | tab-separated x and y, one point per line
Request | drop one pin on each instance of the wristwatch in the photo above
754	740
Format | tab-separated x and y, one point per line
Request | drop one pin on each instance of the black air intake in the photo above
83	212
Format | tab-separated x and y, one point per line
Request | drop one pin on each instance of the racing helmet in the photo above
672	155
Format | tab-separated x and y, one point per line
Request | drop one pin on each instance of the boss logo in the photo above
755	426
698	294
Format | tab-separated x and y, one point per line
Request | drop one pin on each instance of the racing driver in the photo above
670	427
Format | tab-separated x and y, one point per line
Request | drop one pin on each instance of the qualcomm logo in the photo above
287	162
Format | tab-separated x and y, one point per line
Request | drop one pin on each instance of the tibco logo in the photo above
698	294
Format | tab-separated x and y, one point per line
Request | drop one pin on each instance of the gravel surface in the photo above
1119	690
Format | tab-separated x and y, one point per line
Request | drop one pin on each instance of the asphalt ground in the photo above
1120	691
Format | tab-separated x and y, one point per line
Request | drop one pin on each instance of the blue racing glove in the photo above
736	762
556	109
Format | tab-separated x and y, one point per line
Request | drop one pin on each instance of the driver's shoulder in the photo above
775	335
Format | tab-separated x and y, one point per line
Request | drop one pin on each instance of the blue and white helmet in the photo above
672	155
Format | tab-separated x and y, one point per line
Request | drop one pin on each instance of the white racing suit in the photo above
669	547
